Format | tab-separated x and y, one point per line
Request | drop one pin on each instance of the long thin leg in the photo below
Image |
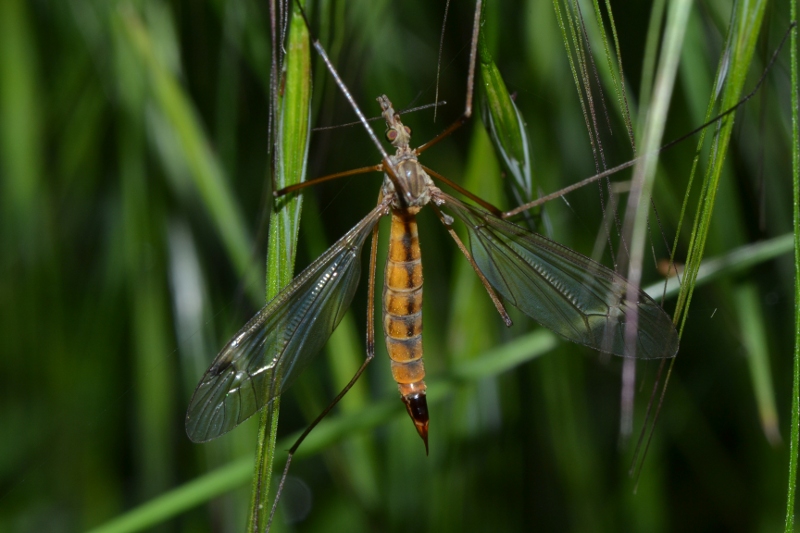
496	211
370	356
375	119
565	190
439	60
387	163
373	254
473	54
495	299
329	177
279	492
570	188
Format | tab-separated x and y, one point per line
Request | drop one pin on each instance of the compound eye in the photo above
408	130
391	135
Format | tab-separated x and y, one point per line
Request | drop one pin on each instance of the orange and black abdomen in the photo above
402	316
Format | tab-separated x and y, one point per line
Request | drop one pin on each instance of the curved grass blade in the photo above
506	128
181	119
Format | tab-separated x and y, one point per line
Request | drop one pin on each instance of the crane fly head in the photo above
397	133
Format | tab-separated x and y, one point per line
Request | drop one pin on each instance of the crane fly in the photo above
574	296
570	294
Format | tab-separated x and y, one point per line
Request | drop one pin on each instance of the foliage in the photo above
134	186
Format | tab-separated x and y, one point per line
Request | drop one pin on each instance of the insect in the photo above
574	296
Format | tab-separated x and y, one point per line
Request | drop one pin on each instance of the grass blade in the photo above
291	151
794	439
331	430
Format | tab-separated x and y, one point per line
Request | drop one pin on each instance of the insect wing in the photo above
271	350
563	290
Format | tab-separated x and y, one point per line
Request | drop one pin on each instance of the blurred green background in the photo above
134	193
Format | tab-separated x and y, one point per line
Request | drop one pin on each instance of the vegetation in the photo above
134	199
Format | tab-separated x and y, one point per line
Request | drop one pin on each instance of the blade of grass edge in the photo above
644	173
737	260
795	426
734	64
739	59
293	131
203	165
506	128
618	82
753	327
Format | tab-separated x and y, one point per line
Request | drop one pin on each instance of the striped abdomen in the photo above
402	317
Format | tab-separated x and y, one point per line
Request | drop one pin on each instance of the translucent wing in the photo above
270	351
561	289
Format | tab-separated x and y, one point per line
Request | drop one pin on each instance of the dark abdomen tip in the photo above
417	406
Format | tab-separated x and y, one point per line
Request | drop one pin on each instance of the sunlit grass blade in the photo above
644	172
20	128
732	73
191	146
290	155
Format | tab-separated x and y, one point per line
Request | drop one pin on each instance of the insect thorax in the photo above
413	183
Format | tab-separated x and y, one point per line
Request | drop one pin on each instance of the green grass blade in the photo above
110	112
20	129
293	130
732	74
735	261
644	173
192	146
172	503
506	127
754	338
736	63
331	430
617	80
650	57
794	438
